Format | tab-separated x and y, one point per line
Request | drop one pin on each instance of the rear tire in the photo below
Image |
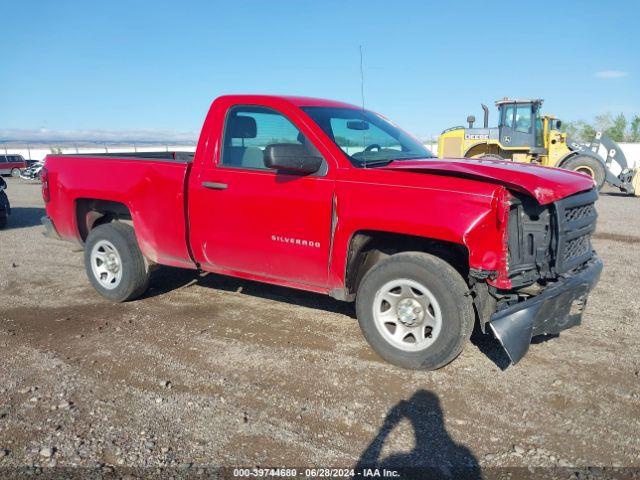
114	263
588	165
15	172
427	299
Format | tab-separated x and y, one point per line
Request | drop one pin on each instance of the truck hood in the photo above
545	184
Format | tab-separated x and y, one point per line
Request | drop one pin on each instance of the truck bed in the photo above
150	185
170	156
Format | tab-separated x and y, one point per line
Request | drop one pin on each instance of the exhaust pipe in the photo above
486	115
470	120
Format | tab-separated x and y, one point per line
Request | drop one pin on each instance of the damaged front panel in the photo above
530	242
552	268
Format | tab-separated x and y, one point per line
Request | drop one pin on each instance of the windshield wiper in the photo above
413	157
377	163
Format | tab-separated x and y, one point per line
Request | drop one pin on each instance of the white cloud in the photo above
45	135
611	74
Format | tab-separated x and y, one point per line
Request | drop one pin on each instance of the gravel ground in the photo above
207	370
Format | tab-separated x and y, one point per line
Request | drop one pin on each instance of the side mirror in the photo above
470	120
291	157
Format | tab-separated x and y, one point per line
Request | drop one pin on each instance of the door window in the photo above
249	130
523	119
507	119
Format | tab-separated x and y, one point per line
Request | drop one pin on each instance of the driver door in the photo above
259	222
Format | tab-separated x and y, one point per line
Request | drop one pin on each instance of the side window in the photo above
523	119
3	159
507	120
249	130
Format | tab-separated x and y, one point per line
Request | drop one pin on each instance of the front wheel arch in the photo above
368	247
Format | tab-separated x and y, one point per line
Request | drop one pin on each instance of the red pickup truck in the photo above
328	197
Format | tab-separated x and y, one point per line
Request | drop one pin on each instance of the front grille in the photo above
576	221
576	213
576	247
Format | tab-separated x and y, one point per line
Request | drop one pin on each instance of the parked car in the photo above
327	197
32	172
31	163
12	165
5	208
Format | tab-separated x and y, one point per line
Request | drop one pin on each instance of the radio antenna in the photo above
364	135
361	79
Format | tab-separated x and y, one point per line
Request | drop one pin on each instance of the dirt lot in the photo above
208	370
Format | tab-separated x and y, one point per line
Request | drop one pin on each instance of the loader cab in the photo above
520	124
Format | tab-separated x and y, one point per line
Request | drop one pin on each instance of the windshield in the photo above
365	137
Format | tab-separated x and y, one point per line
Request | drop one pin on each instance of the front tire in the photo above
15	172
588	165
415	311
114	263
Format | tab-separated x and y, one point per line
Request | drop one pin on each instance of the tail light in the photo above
44	177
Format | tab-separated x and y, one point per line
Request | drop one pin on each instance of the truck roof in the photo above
298	101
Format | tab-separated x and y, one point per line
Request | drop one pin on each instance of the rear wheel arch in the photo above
91	212
368	247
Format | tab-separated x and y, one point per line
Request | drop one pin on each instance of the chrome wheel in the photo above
407	315
106	264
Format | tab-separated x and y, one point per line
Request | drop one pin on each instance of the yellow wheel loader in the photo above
525	135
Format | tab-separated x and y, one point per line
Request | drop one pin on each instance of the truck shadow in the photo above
22	217
489	345
434	455
167	279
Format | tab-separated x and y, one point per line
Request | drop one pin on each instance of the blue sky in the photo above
156	65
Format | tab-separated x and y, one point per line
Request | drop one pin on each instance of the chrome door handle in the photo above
215	185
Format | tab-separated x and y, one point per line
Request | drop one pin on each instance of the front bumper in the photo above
558	307
49	229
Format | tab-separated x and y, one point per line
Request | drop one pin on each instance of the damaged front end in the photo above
558	307
551	268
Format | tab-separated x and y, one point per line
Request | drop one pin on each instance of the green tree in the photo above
580	131
603	122
634	130
618	129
